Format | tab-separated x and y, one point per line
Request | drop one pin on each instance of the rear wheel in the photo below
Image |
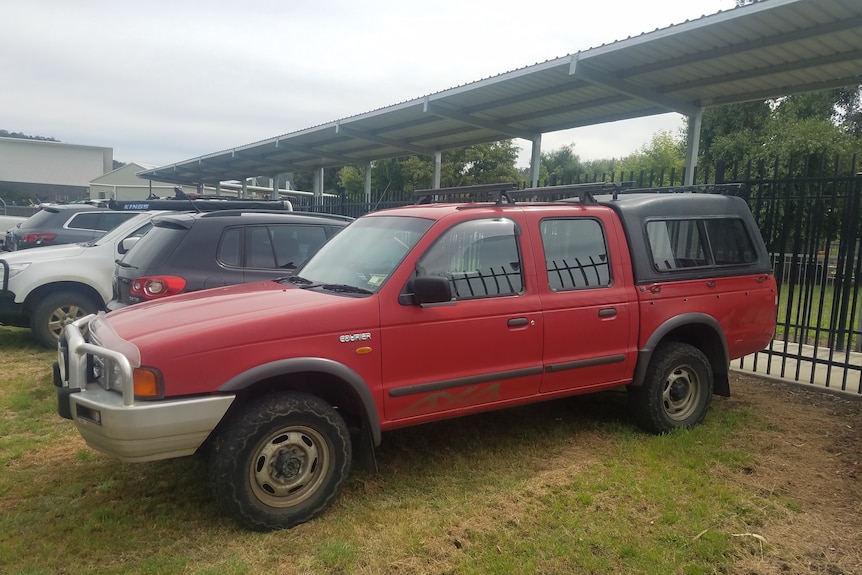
280	461
677	390
56	311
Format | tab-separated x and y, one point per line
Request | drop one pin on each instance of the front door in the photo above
484	347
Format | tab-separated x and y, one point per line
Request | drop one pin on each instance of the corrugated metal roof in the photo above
764	50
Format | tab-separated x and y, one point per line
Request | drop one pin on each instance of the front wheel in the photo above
677	390
280	461
51	315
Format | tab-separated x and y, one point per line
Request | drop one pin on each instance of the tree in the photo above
664	154
730	131
815	125
561	166
489	163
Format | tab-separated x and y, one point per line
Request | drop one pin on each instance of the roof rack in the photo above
508	192
584	192
198	204
496	193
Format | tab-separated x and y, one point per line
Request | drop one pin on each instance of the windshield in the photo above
365	252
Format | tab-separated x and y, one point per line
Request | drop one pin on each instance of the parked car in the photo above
190	252
58	224
47	288
64	224
7	223
423	313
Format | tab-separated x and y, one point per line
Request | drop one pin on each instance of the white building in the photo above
123	184
51	171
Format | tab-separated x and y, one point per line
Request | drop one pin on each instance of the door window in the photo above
479	257
294	244
229	247
576	254
260	249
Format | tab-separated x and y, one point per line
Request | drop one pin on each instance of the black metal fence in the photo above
810	216
811	225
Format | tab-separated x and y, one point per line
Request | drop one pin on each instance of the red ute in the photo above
421	313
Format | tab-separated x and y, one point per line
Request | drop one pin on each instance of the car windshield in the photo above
364	254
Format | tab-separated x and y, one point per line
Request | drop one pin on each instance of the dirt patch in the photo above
806	467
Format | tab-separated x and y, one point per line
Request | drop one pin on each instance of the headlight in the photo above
146	382
15	269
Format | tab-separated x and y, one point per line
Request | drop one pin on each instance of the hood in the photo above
44	253
239	315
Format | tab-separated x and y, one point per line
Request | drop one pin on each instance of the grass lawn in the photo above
807	313
568	486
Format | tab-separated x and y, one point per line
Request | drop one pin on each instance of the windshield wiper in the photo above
123	264
345	288
304	283
297	280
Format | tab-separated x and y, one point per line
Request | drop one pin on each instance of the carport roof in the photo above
764	50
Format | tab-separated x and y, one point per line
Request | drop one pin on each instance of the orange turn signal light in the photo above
148	384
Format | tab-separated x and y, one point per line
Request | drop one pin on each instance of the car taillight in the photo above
37	239
157	286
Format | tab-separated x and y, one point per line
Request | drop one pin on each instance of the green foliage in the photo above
728	131
817	126
562	165
664	153
478	164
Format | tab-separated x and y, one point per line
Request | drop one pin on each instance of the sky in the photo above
164	81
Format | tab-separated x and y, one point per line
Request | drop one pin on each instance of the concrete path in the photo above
800	367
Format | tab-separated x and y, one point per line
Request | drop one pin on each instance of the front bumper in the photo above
11	313
114	423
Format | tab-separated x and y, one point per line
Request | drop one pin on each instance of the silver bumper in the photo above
114	423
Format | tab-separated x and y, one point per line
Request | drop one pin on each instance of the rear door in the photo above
588	302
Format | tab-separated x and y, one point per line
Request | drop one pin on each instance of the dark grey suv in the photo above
64	224
189	252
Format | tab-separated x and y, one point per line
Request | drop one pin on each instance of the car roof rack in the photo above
198	204
508	192
497	193
239	212
585	193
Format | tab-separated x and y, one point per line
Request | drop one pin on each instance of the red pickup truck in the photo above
421	313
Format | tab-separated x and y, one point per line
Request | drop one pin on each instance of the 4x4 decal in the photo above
443	400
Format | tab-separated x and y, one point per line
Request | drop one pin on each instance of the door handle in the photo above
518	322
607	312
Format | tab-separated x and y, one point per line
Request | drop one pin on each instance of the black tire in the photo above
280	461
55	311
677	390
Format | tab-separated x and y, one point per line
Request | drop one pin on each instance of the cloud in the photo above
165	81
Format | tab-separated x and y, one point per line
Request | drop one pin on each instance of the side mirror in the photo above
432	289
127	244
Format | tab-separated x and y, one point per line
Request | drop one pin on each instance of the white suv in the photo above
46	288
